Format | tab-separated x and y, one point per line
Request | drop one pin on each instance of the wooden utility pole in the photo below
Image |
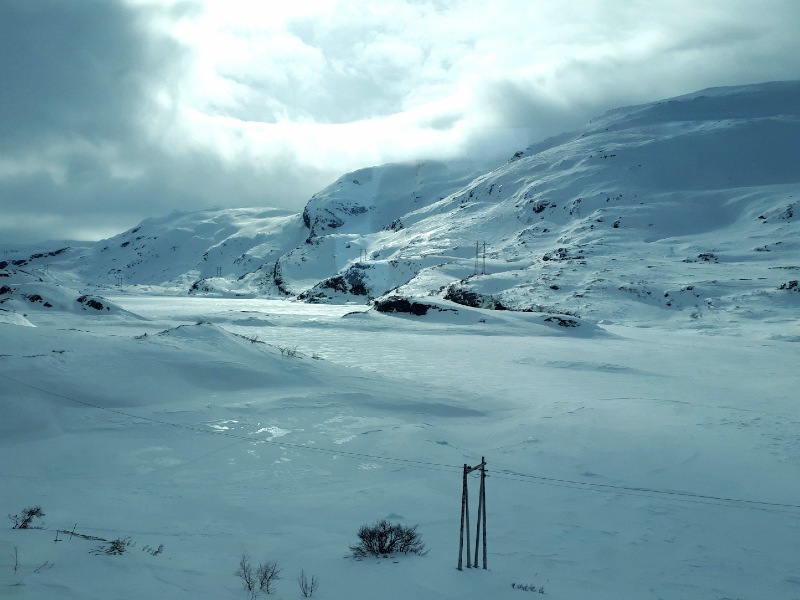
464	521
481	525
481	515
463	512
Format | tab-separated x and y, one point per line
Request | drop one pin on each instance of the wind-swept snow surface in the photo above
628	463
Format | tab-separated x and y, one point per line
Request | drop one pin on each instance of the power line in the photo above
642	492
503	474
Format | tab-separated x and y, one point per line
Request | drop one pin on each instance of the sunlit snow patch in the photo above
223	425
274	432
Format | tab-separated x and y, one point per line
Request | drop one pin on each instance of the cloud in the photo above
116	110
79	81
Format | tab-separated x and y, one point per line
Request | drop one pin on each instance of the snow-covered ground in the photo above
637	408
624	462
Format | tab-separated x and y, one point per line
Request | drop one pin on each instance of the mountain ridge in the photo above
695	193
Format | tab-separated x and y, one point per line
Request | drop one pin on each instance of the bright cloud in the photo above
125	109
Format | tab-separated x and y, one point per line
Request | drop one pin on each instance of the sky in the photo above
112	111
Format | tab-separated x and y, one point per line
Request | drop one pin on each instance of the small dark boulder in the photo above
562	322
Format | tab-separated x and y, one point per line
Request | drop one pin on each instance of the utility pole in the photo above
481	515
464	521
480	258
480	533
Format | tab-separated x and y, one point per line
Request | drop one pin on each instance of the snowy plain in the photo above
637	411
590	443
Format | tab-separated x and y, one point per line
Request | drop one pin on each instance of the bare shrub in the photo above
114	547
43	567
153	551
245	573
24	520
528	587
261	579
290	352
384	538
307	586
267	574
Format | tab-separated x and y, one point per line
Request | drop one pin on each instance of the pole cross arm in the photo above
475	468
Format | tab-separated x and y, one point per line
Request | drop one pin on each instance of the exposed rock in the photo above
466	297
398	304
92	303
562	322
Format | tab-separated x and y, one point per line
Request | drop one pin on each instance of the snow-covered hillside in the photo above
688	206
171	404
645	206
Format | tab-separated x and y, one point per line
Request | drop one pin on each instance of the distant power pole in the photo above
480	258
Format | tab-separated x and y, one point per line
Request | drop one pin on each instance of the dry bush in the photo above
261	579
25	518
307	586
384	538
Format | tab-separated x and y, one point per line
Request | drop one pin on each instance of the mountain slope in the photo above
688	203
686	206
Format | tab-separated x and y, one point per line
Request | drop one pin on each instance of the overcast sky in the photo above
112	111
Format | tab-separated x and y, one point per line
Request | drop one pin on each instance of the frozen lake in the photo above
624	462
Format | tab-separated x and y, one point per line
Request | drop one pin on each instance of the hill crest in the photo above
648	203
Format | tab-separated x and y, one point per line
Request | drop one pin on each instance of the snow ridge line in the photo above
503	474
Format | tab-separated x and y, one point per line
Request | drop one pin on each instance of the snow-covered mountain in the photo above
687	205
640	424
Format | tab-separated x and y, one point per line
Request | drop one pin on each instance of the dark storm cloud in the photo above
77	158
78	68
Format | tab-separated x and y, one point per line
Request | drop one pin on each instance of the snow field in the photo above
221	461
